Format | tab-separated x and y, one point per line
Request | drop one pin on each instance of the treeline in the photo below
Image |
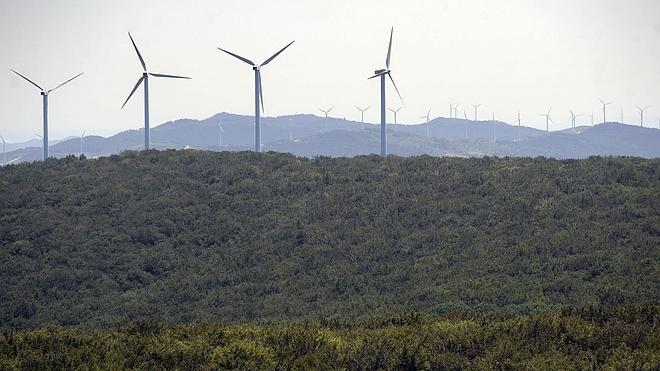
189	236
622	339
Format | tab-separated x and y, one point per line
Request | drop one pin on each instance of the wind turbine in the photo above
518	121
428	120
222	132
44	95
383	117
395	112
573	117
290	130
4	151
362	111
475	110
325	112
466	124
548	119
145	79
82	140
258	94
605	104
641	114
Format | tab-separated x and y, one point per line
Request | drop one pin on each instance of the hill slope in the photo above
452	137
186	236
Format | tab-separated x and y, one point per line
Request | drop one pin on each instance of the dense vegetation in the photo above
624	339
188	236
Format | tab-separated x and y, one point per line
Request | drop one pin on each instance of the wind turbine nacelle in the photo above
378	72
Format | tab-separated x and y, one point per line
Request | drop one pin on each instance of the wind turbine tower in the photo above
362	111
475	110
44	96
428	120
290	130
466	124
641	114
4	151
258	93
325	112
518	121
605	104
82	141
548	119
395	112
382	73
145	79
221	132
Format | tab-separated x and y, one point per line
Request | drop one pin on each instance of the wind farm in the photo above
303	215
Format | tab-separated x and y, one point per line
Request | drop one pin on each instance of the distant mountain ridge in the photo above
439	137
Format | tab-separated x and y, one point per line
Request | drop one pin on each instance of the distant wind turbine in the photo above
466	124
44	95
383	117
221	132
641	114
4	151
258	93
145	79
82	140
548	119
362	111
518	121
428	120
605	104
325	112
395	112
475	110
573	117
290	130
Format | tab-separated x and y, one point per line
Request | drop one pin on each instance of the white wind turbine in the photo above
428	120
362	111
82	140
573	117
145	79
258	93
383	116
222	132
476	107
641	114
605	104
518	122
548	119
4	151
326	112
395	112
44	95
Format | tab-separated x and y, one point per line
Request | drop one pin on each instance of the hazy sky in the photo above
508	55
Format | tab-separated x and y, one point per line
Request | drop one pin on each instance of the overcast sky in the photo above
508	55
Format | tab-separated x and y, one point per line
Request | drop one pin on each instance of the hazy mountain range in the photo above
440	137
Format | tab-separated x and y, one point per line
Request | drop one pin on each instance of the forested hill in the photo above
187	236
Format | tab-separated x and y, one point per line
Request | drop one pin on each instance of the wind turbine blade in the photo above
331	108
238	56
169	76
367	108
276	54
389	49
376	75
66	82
395	88
133	91
144	66
30	81
261	91
428	114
